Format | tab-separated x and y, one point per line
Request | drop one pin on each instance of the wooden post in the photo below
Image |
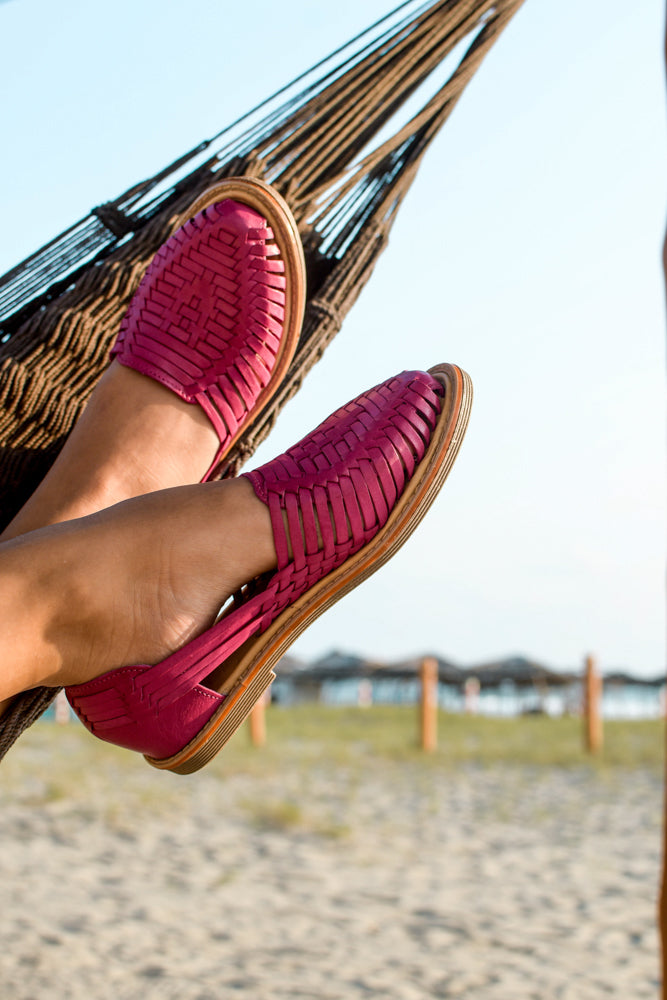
257	720
61	709
592	710
428	709
471	690
364	693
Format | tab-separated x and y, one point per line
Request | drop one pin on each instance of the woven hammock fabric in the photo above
318	141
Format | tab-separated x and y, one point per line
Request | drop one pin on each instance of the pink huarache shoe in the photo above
342	501
218	314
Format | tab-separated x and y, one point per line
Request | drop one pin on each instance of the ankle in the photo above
246	534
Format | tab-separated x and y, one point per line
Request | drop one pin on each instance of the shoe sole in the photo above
271	206
251	667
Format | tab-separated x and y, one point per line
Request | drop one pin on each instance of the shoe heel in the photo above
192	758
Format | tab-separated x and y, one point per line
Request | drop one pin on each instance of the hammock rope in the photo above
60	308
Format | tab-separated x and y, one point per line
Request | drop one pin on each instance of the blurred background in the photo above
337	859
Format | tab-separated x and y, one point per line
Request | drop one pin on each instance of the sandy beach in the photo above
350	876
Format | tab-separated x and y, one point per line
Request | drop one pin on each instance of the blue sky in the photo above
527	252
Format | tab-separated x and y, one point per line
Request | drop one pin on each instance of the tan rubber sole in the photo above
273	207
251	667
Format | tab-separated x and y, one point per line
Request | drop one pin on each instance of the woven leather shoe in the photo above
342	501
218	313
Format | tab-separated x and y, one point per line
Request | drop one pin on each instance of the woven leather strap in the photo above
332	492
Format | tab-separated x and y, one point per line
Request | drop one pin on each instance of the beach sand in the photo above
338	879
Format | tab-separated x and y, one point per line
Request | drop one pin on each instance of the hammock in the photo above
319	140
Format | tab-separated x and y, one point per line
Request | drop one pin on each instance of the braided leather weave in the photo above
328	496
207	319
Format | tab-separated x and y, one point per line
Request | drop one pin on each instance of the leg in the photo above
134	436
127	585
115	606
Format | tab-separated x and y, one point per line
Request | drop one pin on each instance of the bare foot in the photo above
128	585
135	436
